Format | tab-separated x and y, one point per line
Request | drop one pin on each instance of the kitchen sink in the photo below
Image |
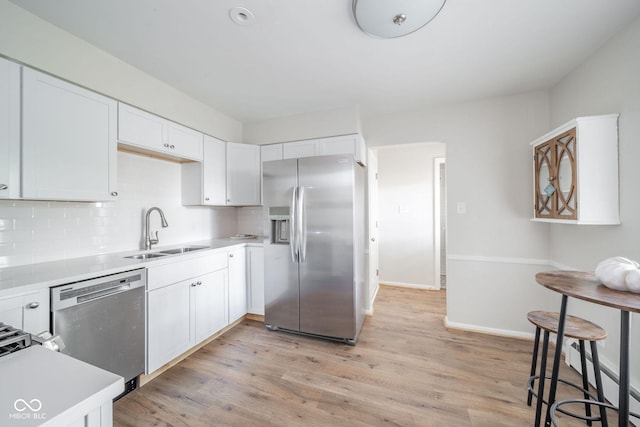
145	256
183	250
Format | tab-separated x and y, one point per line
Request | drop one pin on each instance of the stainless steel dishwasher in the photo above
102	322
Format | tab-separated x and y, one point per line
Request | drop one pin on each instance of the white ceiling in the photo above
309	55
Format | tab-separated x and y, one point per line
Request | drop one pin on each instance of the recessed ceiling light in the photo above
242	16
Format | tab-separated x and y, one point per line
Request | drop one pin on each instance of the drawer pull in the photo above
33	305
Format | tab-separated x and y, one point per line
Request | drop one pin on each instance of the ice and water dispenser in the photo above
279	218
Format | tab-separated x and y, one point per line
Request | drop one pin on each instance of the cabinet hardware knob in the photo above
230	255
228	200
206	198
172	146
166	145
4	186
114	193
33	305
373	239
193	285
198	283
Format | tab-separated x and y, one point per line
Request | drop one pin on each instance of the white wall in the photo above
405	194
342	121
494	249
37	231
34	42
609	82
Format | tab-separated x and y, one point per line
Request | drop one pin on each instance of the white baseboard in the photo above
486	330
410	285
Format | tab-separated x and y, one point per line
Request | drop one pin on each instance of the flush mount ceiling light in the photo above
242	16
389	19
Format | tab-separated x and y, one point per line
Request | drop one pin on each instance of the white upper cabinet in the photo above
205	183
69	141
576	172
183	141
214	175
243	174
298	149
9	130
346	144
229	175
140	130
271	152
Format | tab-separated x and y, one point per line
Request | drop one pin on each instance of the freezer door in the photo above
280	272
327	299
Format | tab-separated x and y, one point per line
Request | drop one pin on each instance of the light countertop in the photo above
31	277
43	387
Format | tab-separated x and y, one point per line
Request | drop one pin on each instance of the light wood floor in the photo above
406	370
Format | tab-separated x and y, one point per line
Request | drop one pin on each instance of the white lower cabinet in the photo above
255	280
28	311
189	301
208	305
186	304
237	285
168	320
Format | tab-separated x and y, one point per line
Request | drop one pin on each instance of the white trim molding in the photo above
410	285
507	260
486	330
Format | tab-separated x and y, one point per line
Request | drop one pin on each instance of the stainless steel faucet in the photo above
148	241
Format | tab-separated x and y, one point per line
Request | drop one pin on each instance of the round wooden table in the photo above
585	286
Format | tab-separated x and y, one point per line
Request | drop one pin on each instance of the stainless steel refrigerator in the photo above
314	235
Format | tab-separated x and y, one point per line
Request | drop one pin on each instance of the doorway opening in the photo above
411	212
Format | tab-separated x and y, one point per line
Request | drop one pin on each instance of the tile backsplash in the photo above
40	231
250	220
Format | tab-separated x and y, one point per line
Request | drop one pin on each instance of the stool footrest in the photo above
569	383
557	403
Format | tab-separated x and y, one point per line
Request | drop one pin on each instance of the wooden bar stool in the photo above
576	328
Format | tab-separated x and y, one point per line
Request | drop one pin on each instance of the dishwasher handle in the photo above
103	293
76	293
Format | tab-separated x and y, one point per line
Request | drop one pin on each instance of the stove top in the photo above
12	339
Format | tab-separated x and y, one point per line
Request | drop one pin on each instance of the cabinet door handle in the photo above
4	187
230	255
206	198
33	305
166	145
198	283
193	285
114	193
172	146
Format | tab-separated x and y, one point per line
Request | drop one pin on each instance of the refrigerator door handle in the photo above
302	226
293	222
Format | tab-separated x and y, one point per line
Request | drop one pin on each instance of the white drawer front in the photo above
163	275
